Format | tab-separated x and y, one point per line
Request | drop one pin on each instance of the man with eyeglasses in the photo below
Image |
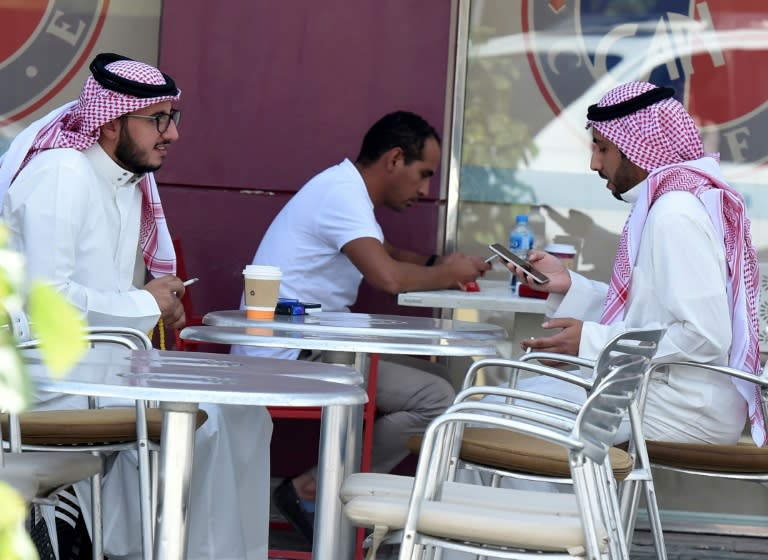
79	185
82	205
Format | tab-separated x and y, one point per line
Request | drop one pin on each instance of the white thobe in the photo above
75	216
678	282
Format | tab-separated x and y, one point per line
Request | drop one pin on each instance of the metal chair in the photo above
39	475
743	461
499	522
98	431
507	454
637	476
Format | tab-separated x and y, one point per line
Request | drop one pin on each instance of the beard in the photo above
131	157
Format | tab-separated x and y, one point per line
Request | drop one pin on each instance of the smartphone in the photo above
509	256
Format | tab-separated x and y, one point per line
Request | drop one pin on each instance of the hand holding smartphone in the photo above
509	256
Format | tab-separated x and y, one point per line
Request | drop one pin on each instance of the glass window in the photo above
534	66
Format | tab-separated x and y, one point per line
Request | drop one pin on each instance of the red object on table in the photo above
525	291
470	287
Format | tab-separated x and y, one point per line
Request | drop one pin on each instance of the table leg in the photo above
176	453
347	457
352	459
334	440
145	481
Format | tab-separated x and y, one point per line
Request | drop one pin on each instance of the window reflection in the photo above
534	66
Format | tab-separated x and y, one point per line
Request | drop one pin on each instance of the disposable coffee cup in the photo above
261	285
566	253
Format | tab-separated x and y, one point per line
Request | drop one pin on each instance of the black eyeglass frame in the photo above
174	115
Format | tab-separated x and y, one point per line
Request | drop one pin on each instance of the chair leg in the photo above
585	488
145	484
654	516
629	501
613	509
97	529
153	464
644	477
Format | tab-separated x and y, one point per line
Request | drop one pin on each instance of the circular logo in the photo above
710	51
43	44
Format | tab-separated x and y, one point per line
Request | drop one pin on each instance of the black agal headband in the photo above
610	112
113	82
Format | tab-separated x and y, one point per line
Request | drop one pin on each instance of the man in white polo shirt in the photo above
327	239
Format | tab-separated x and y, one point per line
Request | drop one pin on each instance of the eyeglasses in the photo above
162	120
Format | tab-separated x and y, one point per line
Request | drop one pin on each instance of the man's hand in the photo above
559	278
565	342
167	291
462	268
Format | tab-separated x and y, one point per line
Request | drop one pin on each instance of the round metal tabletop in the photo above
363	323
266	337
202	378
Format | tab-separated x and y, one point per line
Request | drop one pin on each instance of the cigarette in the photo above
490	259
190	281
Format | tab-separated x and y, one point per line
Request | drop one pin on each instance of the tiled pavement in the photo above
680	546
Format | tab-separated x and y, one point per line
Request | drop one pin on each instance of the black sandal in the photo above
289	505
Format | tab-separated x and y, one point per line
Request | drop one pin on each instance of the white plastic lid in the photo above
262	271
560	249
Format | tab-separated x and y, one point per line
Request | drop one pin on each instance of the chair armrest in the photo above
761	380
521	364
130	338
538	398
553	356
549	419
433	460
140	337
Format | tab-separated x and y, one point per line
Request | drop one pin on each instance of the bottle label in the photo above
521	242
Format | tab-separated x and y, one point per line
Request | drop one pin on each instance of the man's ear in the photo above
392	157
111	130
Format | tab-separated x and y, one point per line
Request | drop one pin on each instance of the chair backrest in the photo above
127	337
192	318
601	415
181	272
634	342
133	339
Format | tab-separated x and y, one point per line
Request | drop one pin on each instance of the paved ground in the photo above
680	546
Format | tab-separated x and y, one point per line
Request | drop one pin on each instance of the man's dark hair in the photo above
401	129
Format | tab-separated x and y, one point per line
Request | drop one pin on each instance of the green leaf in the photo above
58	326
15	544
15	387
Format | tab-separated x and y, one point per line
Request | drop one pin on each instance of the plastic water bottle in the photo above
520	241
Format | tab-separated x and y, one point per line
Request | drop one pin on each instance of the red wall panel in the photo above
274	92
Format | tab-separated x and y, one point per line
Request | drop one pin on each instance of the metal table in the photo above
495	302
357	343
494	295
350	333
327	322
179	381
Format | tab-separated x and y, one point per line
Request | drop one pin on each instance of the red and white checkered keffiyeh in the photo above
663	140
76	125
